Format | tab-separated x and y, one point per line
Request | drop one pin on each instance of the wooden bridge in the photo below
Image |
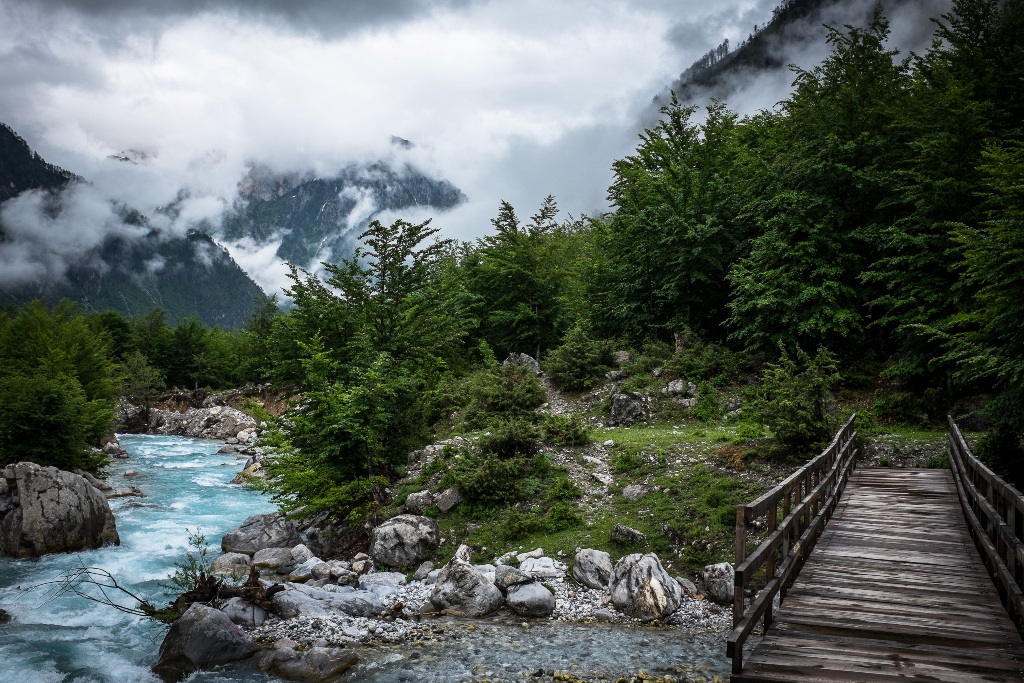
881	574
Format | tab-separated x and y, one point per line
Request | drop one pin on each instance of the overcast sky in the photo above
507	100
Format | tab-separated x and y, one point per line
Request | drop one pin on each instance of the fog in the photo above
509	101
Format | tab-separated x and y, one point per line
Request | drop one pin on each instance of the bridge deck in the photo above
894	589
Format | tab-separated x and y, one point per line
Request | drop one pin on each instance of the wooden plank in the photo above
894	589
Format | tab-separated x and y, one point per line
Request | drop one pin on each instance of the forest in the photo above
867	232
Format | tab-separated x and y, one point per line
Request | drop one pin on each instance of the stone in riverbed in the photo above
298	599
301	553
592	568
313	568
718	582
231	564
47	510
243	613
531	600
423	570
404	540
642	588
506	577
273	558
461	588
261	531
201	638
543	567
318	664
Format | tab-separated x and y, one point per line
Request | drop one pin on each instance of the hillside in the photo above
186	276
317	218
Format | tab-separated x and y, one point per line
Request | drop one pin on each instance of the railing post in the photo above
741	554
769	565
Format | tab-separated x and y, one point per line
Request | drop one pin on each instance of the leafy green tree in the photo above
516	278
140	382
579	362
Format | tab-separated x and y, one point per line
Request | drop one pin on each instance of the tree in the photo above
140	382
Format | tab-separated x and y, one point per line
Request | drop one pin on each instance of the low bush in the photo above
561	430
511	437
504	390
579	363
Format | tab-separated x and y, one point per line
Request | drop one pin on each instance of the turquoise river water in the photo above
187	488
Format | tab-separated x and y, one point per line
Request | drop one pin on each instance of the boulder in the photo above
261	531
393	579
404	540
52	511
531	600
718	581
543	568
301	553
463	589
298	599
592	568
506	577
316	665
313	568
423	570
534	554
447	500
625	534
636	491
201	638
641	588
523	359
243	613
628	408
231	564
675	388
419	501
273	558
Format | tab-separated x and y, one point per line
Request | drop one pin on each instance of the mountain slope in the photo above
185	275
22	169
317	219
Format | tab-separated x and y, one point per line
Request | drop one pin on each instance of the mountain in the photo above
187	275
22	169
318	218
795	27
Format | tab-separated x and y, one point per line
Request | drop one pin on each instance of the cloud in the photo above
506	100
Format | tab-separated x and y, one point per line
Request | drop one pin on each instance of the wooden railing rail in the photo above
995	517
807	499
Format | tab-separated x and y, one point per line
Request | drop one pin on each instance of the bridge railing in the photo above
995	517
795	512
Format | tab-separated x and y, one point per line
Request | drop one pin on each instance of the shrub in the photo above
561	430
708	408
562	517
510	438
565	490
579	362
503	390
626	461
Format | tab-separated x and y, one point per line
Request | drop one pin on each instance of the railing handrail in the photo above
816	488
994	510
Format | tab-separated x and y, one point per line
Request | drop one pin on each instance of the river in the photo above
187	488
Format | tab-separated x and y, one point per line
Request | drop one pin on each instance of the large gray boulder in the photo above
274	558
641	588
531	600
628	408
404	540
316	665
231	564
243	613
592	568
301	600
201	638
463	589
261	531
419	501
523	359
47	510
718	581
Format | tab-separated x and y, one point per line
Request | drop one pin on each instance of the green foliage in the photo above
625	462
511	390
792	400
579	362
565	490
192	572
56	377
140	382
565	430
510	438
708	408
487	480
561	517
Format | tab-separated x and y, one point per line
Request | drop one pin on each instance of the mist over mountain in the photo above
59	241
312	219
755	73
